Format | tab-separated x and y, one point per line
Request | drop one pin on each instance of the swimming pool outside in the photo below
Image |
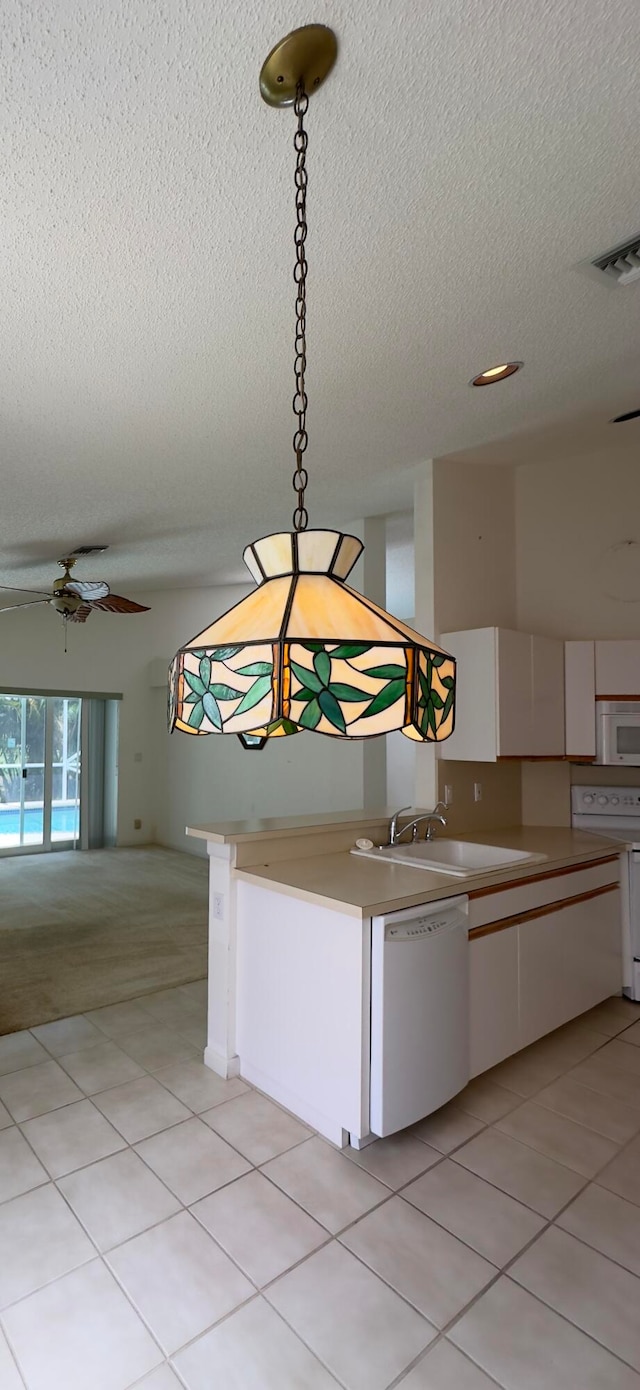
65	824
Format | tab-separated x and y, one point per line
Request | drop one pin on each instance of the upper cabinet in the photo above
547	662
509	696
580	698
618	669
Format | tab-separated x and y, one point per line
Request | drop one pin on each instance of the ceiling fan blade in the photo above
87	589
116	604
9	607
16	589
80	615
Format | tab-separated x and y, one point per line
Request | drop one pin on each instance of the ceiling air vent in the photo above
622	264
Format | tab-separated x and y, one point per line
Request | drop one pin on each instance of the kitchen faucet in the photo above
429	817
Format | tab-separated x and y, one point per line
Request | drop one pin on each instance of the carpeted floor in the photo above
78	931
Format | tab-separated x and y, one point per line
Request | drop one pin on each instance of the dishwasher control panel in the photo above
422	926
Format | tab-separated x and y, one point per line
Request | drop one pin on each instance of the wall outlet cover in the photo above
477	791
218	906
448	796
137	824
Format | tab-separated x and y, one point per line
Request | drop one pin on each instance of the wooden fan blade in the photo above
88	589
15	589
80	614
116	604
9	607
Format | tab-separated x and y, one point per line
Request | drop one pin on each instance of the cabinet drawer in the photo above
486	906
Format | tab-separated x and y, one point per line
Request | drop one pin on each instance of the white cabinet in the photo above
568	961
618	669
547	699
580	699
493	999
509	695
541	954
513	693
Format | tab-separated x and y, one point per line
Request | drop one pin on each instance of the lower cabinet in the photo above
540	969
569	961
493	1003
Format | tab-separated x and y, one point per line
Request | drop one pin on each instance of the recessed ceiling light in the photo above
492	374
620	419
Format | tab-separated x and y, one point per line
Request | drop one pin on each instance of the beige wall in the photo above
546	793
474	546
572	521
475	586
542	548
501	795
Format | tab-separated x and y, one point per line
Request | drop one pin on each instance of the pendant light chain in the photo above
300	438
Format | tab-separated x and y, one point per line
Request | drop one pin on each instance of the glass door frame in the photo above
47	844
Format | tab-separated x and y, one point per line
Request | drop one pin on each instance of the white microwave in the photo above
618	733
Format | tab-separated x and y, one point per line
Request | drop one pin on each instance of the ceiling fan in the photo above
75	599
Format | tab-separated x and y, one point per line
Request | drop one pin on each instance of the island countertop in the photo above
366	888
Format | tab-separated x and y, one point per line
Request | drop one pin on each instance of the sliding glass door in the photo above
39	772
66	718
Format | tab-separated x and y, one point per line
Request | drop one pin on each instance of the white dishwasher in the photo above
419	1012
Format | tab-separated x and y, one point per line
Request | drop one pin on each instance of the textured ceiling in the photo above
465	156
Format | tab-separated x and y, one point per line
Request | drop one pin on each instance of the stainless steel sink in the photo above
461	858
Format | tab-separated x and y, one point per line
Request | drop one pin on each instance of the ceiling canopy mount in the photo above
305	57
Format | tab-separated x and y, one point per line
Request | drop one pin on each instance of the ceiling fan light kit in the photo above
75	599
305	651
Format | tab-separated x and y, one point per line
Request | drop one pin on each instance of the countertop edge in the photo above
280	827
277	881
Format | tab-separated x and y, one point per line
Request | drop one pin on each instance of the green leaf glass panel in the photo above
306	652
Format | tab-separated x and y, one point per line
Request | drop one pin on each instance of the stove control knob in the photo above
588	799
602	800
614	800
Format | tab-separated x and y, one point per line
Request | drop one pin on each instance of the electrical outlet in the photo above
137	757
137	824
477	791
448	796
218	906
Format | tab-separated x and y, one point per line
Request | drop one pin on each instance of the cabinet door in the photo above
580	699
569	960
547	696
493	998
474	735
618	669
515	691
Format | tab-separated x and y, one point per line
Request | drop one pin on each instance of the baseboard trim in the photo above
226	1067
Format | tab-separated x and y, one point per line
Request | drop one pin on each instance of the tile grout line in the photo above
330	1237
506	1268
102	1255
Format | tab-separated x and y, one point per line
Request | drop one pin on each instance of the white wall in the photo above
574	522
178	779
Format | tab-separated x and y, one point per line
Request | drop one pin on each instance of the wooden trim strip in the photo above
543	911
557	757
530	757
624	698
538	878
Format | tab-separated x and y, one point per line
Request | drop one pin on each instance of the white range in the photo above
615	811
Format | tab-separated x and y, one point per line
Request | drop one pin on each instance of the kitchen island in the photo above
290	930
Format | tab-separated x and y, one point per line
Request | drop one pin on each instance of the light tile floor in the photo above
161	1228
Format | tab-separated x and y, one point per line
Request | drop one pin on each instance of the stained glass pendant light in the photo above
305	651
